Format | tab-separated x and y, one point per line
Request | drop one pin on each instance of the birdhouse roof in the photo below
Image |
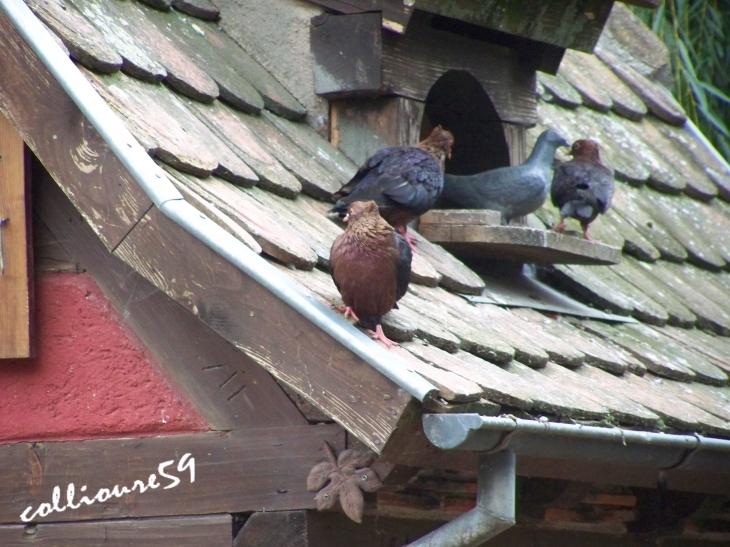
233	141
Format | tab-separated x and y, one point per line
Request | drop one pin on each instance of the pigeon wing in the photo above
403	266
412	179
602	186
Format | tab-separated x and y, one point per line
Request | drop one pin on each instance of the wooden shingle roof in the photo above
232	140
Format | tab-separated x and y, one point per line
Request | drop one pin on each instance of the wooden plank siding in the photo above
257	470
408	65
16	262
282	341
69	147
206	531
361	128
224	385
285	343
414	61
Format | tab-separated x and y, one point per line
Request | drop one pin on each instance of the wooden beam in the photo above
16	252
256	470
395	13
274	529
574	24
211	531
224	385
66	143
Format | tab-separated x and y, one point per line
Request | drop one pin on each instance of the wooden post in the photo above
15	251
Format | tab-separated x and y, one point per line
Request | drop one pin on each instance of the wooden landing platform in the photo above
478	235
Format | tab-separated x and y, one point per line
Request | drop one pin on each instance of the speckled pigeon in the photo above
513	191
582	187
370	264
404	181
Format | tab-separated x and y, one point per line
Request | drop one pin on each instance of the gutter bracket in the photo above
494	512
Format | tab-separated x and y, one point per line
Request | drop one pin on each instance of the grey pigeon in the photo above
513	191
583	187
404	182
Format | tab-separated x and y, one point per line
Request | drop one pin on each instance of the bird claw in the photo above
347	310
379	335
559	227
403	230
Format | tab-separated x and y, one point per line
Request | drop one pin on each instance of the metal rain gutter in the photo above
705	142
167	198
587	443
494	512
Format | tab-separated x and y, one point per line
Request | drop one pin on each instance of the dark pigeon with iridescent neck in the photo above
370	264
582	187
513	191
404	181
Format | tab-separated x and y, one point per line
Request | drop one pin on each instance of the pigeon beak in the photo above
347	218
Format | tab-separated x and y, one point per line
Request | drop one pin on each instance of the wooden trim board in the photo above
211	531
256	470
16	260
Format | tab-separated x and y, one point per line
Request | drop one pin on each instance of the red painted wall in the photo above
91	376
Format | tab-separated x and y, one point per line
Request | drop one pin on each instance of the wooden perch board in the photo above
475	237
15	251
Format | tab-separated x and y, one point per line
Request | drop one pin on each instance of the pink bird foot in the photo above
379	335
347	310
403	230
560	226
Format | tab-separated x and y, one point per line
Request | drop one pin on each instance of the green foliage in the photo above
697	33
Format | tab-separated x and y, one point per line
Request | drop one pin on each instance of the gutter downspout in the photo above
499	439
170	202
495	510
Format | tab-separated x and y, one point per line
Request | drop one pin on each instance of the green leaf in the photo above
716	92
716	123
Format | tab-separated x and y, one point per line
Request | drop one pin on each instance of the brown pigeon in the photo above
582	187
404	181
370	264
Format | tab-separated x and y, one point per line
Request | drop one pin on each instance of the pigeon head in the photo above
585	150
552	137
438	144
361	209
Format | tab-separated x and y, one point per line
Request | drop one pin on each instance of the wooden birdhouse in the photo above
392	70
15	260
